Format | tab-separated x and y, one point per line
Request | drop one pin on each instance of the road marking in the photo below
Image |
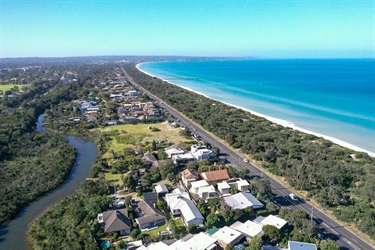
333	230
352	244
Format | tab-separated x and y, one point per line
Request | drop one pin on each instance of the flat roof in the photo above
197	184
222	185
248	228
242	200
295	245
227	235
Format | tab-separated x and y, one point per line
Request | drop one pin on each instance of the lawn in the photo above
9	86
113	178
131	135
180	225
154	232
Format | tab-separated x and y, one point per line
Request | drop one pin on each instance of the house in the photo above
161	190
228	236
207	192
196	185
201	241
173	151
187	177
242	200
239	184
295	245
180	205
115	221
148	215
249	228
150	159
223	188
271	220
214	176
242	185
182	159
203	154
152	197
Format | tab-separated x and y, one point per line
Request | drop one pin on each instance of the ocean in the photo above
331	97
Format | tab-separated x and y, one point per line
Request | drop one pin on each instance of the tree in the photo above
212	219
115	236
229	247
130	182
122	244
192	229
271	232
153	145
256	243
214	203
134	233
328	245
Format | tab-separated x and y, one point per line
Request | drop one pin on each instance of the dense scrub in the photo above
72	223
338	178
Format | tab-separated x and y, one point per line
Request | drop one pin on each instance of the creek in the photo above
14	235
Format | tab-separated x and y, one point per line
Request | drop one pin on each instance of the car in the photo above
293	197
245	160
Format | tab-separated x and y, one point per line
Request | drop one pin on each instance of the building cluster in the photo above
129	103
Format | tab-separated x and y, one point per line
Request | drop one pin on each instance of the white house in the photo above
295	245
181	205
207	192
161	190
249	228
228	236
182	158
196	185
242	185
173	151
223	188
242	200
271	220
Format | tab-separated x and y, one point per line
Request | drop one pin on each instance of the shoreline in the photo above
278	121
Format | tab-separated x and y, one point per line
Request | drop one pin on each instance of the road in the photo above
329	228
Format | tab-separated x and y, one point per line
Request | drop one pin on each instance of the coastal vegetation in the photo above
302	159
74	224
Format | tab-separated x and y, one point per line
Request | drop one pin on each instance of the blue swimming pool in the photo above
105	244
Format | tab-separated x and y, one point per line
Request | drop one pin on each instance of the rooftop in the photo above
295	245
248	228
242	200
227	235
198	184
217	175
161	188
271	220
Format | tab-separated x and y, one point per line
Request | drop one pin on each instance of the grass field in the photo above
113	178
130	135
154	232
9	86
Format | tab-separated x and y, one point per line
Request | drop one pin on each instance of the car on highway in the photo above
245	160
293	197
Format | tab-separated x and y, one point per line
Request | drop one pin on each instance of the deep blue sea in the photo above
334	97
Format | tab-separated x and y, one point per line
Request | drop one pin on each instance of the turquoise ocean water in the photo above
326	96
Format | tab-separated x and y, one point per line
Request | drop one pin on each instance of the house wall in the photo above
152	224
125	232
193	222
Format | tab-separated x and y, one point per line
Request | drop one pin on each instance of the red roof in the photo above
217	175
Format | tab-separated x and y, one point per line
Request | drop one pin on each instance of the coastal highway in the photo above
344	238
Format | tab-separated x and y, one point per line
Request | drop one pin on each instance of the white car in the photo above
293	197
245	160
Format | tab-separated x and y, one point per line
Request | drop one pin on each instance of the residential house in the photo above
239	184
150	159
215	176
152	197
115	221
242	200
196	185
161	190
173	151
223	188
148	215
295	245
180	205
182	159
187	177
207	192
228	236
201	241
249	228
271	220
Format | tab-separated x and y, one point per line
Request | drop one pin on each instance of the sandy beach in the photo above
278	121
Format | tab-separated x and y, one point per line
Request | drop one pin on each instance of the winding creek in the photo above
13	236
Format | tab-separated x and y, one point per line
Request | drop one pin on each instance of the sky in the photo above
266	29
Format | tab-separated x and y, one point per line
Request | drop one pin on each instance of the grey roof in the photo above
150	158
116	220
153	197
295	245
150	213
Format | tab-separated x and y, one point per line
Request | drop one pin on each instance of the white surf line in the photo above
278	121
